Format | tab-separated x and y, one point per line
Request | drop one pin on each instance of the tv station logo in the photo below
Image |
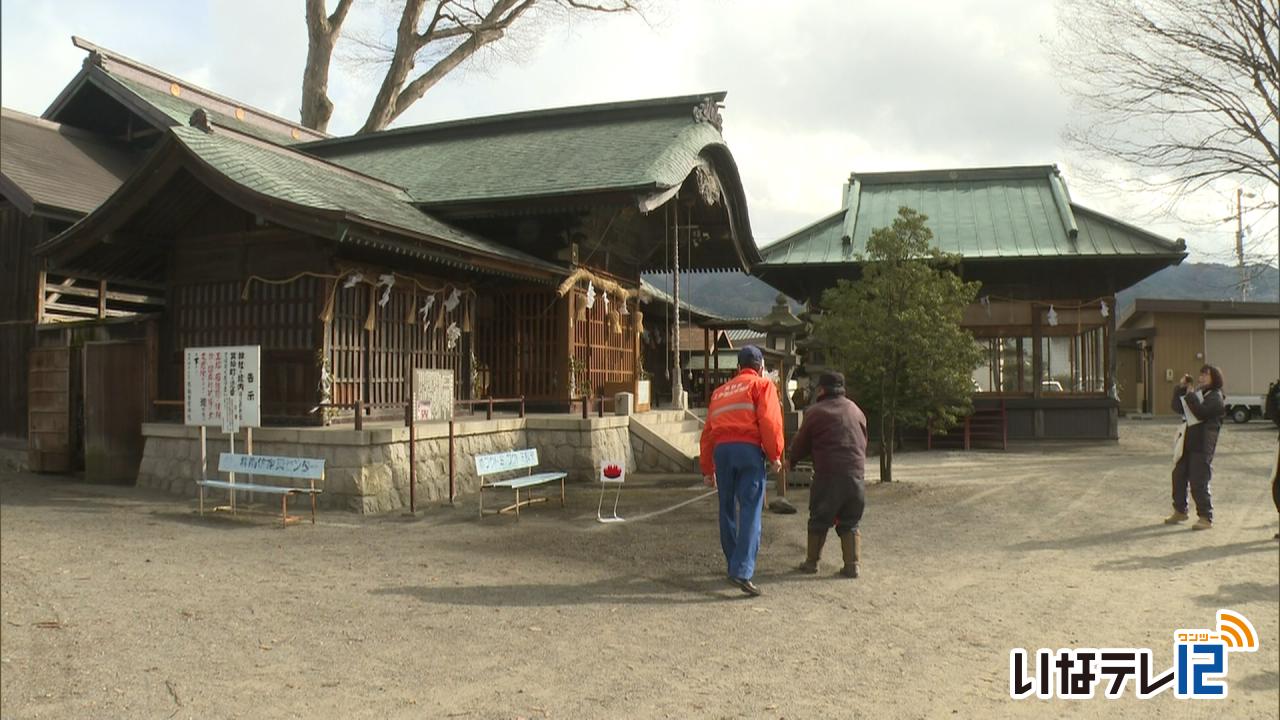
1199	670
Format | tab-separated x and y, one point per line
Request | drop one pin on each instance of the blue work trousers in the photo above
740	476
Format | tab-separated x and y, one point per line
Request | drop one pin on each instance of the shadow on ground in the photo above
1178	560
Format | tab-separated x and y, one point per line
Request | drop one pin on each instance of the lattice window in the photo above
516	344
608	355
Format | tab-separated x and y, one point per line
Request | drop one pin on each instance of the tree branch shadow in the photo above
1107	538
1180	560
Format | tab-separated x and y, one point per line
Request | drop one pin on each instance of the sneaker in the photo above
1203	524
746	586
1175	518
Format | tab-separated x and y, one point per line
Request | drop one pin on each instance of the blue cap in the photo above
750	356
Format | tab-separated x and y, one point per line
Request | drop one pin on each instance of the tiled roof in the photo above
304	181
982	213
648	144
59	168
165	100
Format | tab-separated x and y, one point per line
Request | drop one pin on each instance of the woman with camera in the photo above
1203	406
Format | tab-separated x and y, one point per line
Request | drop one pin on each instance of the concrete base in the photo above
367	471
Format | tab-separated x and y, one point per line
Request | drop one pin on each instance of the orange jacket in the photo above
745	409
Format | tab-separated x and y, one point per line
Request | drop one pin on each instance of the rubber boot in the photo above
813	553
851	548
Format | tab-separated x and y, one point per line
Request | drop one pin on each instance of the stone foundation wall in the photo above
655	459
367	471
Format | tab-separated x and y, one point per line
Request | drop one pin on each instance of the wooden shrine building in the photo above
508	249
1049	267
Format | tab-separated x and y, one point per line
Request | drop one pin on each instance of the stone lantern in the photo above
781	329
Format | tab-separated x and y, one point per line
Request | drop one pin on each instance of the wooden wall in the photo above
18	273
1179	338
208	306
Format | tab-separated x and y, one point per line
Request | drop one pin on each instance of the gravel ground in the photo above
122	603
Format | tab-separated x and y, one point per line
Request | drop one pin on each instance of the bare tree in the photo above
439	35
322	35
1185	89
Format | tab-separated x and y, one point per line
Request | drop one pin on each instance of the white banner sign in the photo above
222	388
273	465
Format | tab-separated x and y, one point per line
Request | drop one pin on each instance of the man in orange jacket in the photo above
743	432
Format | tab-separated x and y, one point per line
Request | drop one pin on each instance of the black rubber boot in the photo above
813	553
851	548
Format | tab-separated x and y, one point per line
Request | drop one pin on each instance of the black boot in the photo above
851	548
813	552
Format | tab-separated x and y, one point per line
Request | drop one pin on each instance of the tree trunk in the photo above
322	34
886	462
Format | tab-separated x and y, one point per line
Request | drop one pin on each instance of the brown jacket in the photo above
834	432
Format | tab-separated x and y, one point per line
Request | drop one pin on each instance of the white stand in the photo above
600	505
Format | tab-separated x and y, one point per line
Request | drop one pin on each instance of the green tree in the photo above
896	333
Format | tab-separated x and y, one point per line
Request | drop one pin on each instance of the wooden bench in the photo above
309	469
514	461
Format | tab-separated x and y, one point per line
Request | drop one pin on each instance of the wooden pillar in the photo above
102	299
564	344
1037	363
40	284
1109	351
1037	355
716	360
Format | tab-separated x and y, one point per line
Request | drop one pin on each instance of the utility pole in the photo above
677	383
1244	278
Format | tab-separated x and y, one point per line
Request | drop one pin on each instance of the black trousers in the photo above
836	502
1193	470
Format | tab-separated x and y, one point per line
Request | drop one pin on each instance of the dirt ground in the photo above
121	603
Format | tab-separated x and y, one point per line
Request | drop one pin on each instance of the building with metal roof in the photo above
1049	268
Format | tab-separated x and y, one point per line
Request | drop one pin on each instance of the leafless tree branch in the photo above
432	39
1188	89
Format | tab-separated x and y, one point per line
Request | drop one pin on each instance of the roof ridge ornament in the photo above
200	120
708	111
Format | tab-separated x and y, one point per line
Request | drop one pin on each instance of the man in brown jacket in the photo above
834	432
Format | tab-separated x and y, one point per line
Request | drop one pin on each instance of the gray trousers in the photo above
1194	470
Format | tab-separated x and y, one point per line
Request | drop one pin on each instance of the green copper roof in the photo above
643	145
983	213
304	181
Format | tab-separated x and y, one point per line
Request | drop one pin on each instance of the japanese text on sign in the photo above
221	387
271	465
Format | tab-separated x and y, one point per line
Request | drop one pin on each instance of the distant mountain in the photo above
1204	281
729	295
735	295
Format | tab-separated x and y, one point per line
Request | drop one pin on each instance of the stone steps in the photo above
665	441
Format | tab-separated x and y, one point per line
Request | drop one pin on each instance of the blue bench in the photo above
310	469
495	464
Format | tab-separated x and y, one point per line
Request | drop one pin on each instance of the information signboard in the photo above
433	393
222	387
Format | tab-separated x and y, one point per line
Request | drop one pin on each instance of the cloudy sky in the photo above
817	88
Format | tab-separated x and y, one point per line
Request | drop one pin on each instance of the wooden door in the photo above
51	426
115	400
